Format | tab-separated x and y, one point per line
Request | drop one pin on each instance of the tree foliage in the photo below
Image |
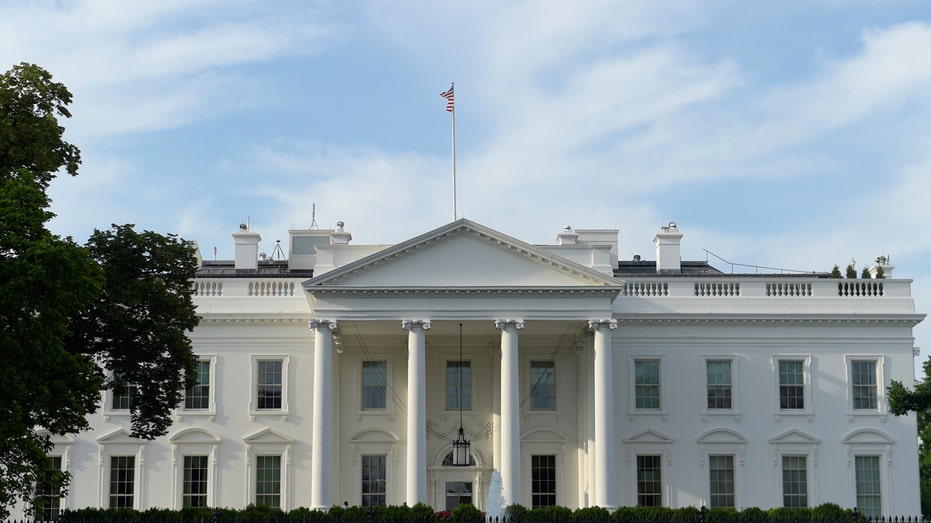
918	400
71	315
30	136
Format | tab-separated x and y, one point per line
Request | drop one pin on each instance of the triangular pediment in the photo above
267	436
118	436
462	254
649	436
794	436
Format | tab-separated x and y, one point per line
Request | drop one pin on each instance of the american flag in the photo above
449	98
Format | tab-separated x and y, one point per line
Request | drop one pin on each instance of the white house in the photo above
344	373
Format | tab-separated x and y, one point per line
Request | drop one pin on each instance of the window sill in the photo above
388	414
211	415
632	415
282	413
792	413
851	415
714	413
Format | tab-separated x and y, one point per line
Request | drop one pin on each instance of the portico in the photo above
532	352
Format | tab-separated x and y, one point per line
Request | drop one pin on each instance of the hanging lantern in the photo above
461	450
461	453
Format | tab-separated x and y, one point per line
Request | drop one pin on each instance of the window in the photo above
458	493
123	394
869	498
863	385
543	480
269	384
458	385
649	481
268	481
542	385
374	474
374	384
646	384
122	481
792	385
47	492
794	481
719	384
198	396
194	493
721	480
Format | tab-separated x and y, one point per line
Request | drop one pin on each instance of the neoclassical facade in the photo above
344	373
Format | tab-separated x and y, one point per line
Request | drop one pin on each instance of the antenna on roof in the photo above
313	217
277	252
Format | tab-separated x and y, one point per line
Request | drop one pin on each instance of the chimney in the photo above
247	248
567	236
884	262
340	236
668	257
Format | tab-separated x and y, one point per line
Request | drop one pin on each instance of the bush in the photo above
722	515
517	513
754	515
592	514
467	513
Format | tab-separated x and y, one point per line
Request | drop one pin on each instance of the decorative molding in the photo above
504	323
410	324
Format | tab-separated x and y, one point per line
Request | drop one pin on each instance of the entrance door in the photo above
457	493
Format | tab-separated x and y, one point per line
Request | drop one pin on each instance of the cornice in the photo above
475	291
269	320
910	320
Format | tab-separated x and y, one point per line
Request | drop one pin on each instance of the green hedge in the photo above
420	513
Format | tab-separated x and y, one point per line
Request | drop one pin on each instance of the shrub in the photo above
754	515
830	512
850	272
517	513
592	514
467	513
835	272
722	515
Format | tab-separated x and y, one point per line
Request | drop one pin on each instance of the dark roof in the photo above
266	269
648	268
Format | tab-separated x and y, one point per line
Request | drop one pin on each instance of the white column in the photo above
510	410
416	411
322	467
605	480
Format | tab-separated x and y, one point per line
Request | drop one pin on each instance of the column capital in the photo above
597	324
410	324
316	323
502	324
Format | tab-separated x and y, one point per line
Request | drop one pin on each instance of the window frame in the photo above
389	409
205	481
254	410
879	362
119	443
795	442
877	459
734	409
382	480
364	386
109	397
632	410
211	410
733	480
870	442
659	496
53	507
807	385
259	478
551	368
805	480
194	441
469	403
268	442
648	442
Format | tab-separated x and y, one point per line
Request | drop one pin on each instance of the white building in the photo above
335	376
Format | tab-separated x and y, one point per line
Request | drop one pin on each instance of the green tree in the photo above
71	315
30	136
835	272
138	324
918	400
850	272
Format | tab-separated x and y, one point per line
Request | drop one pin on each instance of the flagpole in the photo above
455	200
451	108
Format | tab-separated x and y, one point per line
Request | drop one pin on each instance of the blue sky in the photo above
784	134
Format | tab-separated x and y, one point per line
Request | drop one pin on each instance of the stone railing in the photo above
737	287
275	288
